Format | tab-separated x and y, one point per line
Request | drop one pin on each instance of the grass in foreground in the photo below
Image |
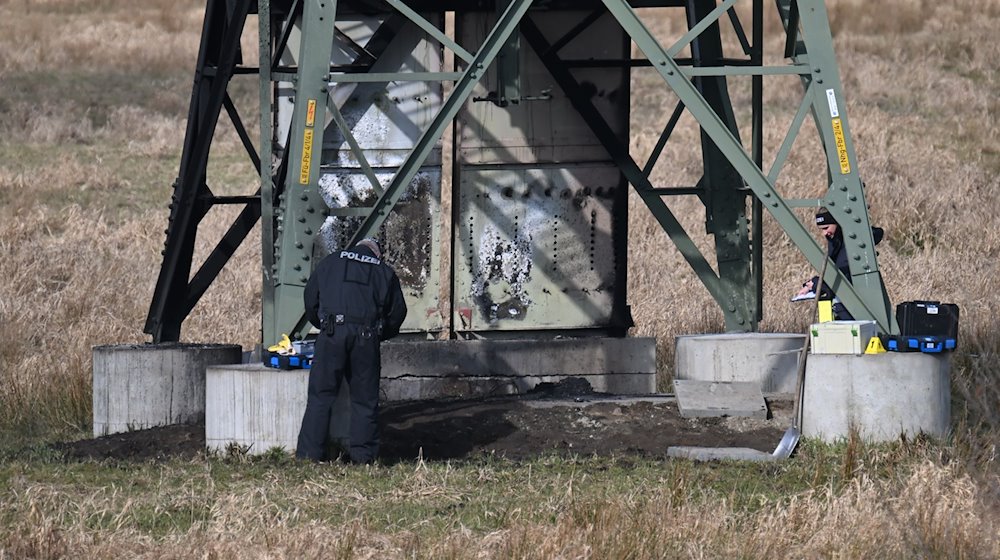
898	500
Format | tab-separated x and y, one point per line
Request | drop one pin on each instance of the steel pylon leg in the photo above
866	297
217	57
299	212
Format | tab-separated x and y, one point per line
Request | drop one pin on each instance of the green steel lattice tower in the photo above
355	97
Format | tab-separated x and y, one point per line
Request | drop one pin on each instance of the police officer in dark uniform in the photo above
356	301
837	253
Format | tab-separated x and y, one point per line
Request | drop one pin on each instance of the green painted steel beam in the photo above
678	191
724	198
351	211
845	197
794	47
300	212
508	66
791	19
266	168
745	70
793	131
804	202
356	150
431	30
661	142
741	33
862	298
699	28
866	297
280	76
756	53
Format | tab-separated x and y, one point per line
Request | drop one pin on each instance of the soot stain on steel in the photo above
502	262
406	234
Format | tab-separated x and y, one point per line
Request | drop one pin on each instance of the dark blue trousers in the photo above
352	353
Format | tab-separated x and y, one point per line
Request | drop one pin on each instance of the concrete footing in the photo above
260	408
769	359
138	386
710	399
413	370
879	395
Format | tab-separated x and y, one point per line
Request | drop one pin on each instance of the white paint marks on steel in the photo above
344	189
336	232
507	261
503	261
348	188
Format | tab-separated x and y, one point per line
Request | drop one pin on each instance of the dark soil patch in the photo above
185	441
513	427
524	428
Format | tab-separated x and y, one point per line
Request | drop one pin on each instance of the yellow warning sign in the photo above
838	136
307	149
311	113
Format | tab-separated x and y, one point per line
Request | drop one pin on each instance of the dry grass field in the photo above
93	96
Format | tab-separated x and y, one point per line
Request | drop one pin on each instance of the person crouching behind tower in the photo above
837	253
356	301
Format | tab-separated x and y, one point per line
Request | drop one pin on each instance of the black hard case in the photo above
928	318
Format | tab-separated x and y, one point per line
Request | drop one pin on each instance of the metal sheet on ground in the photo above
718	454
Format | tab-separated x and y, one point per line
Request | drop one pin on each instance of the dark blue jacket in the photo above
359	287
837	253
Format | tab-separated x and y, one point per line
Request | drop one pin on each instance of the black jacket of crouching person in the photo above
837	253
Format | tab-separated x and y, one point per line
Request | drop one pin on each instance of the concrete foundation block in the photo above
258	408
710	399
138	386
418	388
879	395
464	368
254	407
768	359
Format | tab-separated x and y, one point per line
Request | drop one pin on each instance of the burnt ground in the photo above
543	422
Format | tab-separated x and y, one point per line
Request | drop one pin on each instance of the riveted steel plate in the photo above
545	126
535	248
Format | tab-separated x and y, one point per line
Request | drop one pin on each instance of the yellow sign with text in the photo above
838	136
307	149
311	113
